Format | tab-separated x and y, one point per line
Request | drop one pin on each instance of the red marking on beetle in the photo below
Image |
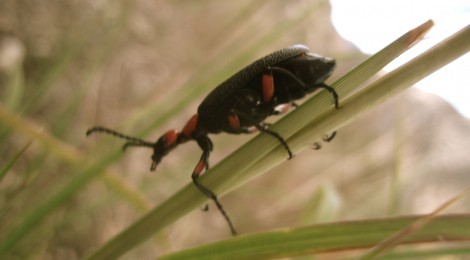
199	168
268	87
170	138
190	126
234	122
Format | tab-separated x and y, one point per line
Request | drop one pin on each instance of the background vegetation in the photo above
142	67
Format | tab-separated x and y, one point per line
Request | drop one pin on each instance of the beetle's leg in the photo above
326	138
206	145
316	146
249	106
329	137
288	73
332	92
305	86
262	127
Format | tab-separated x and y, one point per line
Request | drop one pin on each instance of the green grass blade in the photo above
393	240
327	238
7	168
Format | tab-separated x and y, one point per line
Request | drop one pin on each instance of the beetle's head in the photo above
167	142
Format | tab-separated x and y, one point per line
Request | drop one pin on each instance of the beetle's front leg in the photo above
206	145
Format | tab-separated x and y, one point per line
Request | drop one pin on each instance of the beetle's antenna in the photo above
133	141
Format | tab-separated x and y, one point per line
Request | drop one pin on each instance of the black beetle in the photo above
241	104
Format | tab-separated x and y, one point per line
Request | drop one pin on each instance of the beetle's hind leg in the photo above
305	85
332	92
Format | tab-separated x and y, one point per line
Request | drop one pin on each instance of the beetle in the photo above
241	103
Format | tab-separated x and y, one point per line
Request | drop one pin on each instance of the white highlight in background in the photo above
373	24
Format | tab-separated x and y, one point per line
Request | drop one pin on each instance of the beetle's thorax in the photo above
193	129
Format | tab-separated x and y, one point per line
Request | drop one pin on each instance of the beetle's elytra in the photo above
241	104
